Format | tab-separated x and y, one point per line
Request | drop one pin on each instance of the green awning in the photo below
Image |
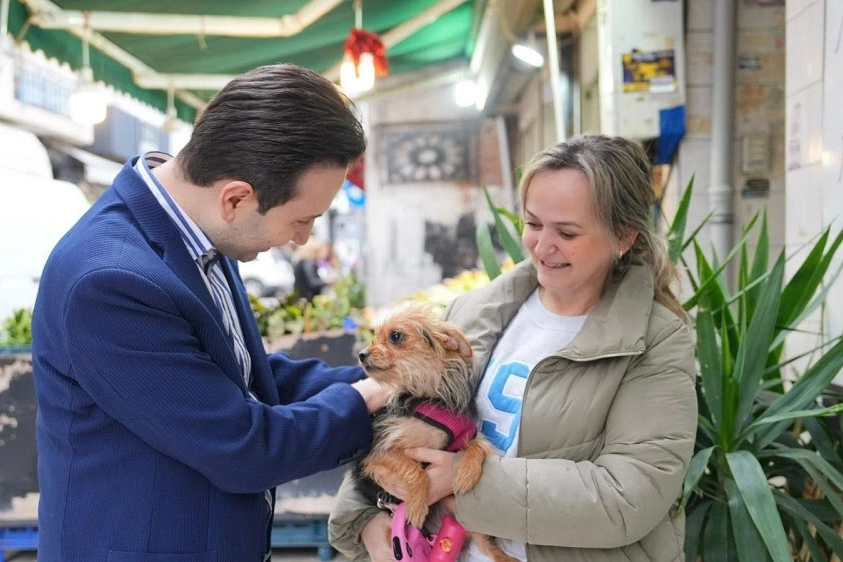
318	47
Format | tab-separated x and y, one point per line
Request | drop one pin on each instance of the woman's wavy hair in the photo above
620	180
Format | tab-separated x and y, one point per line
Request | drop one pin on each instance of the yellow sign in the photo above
649	71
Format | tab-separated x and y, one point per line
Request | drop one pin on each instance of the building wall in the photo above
413	226
758	121
814	147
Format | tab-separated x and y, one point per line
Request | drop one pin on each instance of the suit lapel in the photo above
164	238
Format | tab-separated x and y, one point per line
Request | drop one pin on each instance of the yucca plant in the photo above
510	242
765	480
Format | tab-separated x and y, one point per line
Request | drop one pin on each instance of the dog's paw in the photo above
471	465
416	512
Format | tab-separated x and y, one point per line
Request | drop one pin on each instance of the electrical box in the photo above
642	64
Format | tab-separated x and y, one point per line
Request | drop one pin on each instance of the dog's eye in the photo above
396	336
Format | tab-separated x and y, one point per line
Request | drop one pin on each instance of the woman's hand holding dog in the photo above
376	537
440	465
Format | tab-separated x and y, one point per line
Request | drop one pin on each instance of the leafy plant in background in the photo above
511	243
17	329
765	480
291	315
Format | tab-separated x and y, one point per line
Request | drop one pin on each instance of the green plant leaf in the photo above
676	232
812	306
695	471
754	348
708	353
487	250
758	498
516	221
821	440
804	283
803	392
797	509
694	520
748	541
508	241
796	414
759	263
817	554
819	469
718	542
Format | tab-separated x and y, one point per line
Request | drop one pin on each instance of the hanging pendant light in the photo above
88	101
364	57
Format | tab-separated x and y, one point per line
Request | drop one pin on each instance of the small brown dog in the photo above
422	360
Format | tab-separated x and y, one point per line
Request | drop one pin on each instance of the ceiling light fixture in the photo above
465	92
528	54
88	101
364	57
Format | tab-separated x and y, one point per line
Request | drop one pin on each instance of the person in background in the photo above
163	425
586	386
308	280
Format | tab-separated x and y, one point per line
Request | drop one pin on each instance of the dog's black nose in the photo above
363	355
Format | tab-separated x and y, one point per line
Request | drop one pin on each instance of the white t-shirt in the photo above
533	334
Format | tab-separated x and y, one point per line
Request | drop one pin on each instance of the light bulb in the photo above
357	80
465	92
88	101
528	54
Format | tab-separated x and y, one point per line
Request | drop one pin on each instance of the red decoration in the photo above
357	172
361	41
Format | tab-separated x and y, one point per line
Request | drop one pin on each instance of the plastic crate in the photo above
298	531
17	539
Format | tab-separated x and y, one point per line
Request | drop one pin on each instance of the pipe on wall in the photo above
553	64
722	114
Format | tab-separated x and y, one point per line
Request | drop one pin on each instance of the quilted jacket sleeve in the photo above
621	496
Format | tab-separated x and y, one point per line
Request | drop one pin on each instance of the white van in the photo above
36	212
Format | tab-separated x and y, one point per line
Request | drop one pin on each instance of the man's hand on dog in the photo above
373	393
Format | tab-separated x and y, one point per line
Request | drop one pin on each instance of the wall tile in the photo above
805	48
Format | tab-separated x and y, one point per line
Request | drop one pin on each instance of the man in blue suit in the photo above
163	426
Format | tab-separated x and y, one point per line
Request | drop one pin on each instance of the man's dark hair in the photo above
268	127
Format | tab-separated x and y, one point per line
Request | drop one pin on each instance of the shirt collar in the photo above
199	246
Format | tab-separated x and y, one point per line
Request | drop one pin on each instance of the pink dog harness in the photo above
460	428
410	544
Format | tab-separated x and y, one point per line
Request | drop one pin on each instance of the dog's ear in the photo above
452	339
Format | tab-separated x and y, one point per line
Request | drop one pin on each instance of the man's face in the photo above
251	233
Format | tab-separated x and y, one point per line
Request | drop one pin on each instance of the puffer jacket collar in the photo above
616	327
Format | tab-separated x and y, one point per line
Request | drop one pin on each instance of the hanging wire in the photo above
86	55
201	36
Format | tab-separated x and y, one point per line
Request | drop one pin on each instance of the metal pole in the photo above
553	61
722	111
4	22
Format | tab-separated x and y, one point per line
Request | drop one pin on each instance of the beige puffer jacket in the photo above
607	431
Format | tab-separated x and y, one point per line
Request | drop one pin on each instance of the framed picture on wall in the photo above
429	152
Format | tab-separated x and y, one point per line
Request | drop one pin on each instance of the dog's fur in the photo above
417	357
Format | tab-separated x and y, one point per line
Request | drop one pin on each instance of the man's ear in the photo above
233	196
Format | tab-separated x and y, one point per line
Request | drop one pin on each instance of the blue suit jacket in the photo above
149	448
